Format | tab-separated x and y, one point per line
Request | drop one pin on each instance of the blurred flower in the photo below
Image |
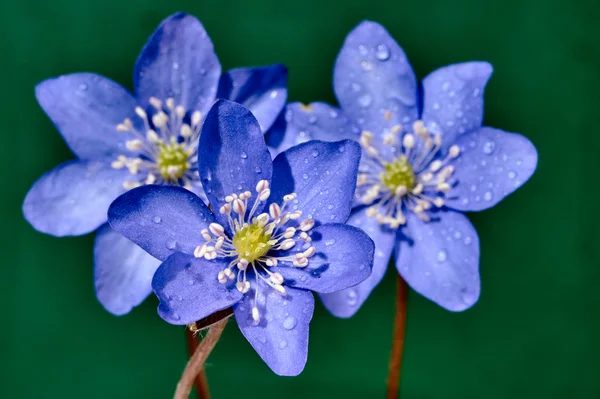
426	158
123	141
276	234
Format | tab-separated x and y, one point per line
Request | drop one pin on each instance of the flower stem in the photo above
201	383
195	365
395	365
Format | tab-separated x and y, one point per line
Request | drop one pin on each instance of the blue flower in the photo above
277	233
426	159
123	141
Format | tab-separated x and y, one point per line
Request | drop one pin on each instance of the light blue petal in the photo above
372	76
453	99
122	272
86	109
440	259
345	303
281	336
179	62
72	199
492	165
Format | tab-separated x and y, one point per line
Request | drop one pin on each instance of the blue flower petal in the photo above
372	75
440	259
281	336
262	90
178	61
188	289
453	99
122	271
316	121
161	219
86	109
232	155
323	175
492	164
72	199
343	258
345	303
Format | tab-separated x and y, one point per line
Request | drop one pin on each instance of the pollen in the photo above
252	242
398	174
172	160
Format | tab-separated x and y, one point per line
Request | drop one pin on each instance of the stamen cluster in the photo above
257	242
416	179
167	151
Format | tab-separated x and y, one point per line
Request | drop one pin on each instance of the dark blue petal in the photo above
344	258
86	109
232	155
345	303
281	336
372	75
453	99
262	90
323	175
188	289
492	164
72	199
440	259
178	61
122	271
161	219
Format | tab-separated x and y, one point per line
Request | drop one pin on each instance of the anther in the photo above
225	209
454	151
443	187
277	278
185	130
307	224
262	185
287	244
289	197
439	202
401	190
418	189
309	252
264	195
239	207
274	210
196	117
134	145
289	232
435	165
242	264
170	103
255	314
140	112
156	103
200	251
408	141
205	235
279	288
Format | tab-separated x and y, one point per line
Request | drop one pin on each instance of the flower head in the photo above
426	158
274	234
123	140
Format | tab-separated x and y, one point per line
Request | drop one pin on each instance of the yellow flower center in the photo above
172	160
398	173
251	242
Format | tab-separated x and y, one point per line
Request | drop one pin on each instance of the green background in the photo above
534	333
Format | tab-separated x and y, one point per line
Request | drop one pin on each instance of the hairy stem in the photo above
195	365
201	382
395	365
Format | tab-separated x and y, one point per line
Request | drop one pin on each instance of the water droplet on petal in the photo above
315	153
382	53
290	323
171	244
487	196
467	240
441	256
329	242
512	174
244	155
365	100
157	219
352	297
283	344
489	147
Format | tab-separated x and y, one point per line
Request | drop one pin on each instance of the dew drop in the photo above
512	174
329	242
445	86
305	176
244	155
175	66
83	87
355	87
171	244
436	106
282	344
290	323
363	50
352	297
315	153
467	241
191	282
441	256
364	100
312	119
157	219
273	94
487	196
473	188
382	53
489	147
175	316
258	169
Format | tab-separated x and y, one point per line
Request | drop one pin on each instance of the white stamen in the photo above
225	209
221	277
205	235
435	165
443	187
454	151
140	112
200	251
408	141
277	278
262	185
287	244
275	211
307	224
242	264
255	314
216	229
289	197
186	130
309	252
279	288
196	117
264	195
289	232
439	202
134	145
239	207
